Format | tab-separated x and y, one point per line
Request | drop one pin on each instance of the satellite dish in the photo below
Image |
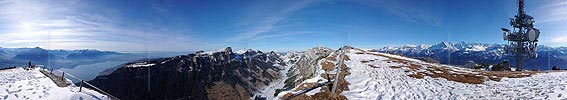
533	34
506	35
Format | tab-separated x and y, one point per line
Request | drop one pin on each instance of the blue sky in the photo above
189	25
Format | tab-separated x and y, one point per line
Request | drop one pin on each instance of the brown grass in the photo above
395	66
463	78
343	84
414	67
287	95
319	96
471	78
416	75
345	58
366	61
373	66
332	57
223	91
305	86
498	75
327	66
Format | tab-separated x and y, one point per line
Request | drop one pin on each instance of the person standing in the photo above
29	64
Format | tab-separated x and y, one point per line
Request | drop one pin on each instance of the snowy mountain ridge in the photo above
463	52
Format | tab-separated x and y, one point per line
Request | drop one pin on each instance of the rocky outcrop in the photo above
305	67
198	76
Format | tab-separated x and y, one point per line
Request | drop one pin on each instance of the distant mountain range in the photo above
58	58
463	52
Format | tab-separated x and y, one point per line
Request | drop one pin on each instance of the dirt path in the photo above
56	79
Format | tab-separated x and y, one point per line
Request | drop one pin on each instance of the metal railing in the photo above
307	90
81	84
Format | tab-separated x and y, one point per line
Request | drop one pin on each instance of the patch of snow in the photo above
240	52
141	64
19	84
167	60
269	91
477	48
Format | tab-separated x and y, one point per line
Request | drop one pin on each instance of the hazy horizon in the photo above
240	48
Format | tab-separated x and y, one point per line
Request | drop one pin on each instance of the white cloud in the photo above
551	11
64	25
406	12
264	18
562	39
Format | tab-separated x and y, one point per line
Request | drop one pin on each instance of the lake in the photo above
90	71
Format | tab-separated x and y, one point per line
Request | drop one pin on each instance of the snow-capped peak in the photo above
240	52
443	46
423	46
477	48
226	50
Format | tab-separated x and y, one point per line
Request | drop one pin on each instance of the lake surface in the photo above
90	71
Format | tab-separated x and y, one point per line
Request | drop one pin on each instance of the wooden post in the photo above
63	76
81	86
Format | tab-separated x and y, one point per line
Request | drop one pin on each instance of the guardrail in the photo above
307	90
81	84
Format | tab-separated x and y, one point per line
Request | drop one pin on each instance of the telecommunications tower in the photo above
523	37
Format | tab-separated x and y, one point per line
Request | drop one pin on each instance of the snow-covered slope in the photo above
21	84
269	92
377	76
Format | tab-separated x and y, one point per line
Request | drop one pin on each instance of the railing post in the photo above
63	76
81	86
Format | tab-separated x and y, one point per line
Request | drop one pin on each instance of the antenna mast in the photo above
523	37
